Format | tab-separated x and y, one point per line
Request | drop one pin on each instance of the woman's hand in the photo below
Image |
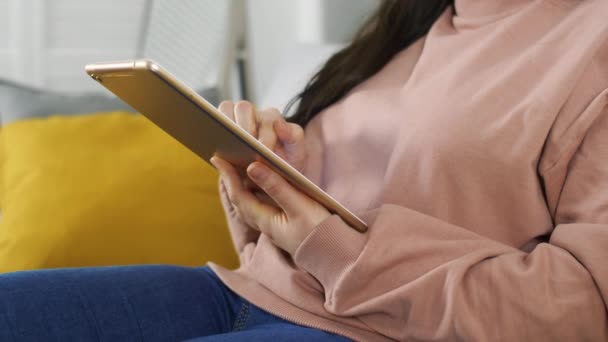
270	128
280	211
287	223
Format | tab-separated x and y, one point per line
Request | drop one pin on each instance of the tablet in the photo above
199	126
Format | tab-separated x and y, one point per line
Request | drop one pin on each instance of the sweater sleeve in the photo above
240	232
415	277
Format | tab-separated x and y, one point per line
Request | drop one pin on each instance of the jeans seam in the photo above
242	317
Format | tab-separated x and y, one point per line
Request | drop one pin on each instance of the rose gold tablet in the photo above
198	125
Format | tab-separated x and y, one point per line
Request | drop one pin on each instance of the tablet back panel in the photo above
198	125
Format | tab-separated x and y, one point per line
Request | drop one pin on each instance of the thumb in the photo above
291	137
288	133
282	193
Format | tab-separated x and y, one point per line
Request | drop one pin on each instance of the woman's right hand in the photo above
286	140
270	128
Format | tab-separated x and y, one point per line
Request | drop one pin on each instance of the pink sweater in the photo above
479	158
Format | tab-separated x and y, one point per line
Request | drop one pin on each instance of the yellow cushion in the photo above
106	189
1	171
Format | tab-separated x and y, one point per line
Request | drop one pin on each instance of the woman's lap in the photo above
255	324
134	303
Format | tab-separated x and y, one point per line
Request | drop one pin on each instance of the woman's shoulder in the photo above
581	42
581	4
589	15
588	20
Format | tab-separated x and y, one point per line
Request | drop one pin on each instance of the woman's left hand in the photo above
288	223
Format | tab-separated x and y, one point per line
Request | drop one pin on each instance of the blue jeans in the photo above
135	303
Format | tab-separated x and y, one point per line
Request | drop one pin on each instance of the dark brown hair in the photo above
393	27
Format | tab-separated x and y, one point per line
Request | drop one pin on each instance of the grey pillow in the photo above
18	102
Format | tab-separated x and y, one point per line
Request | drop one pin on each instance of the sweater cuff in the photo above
329	251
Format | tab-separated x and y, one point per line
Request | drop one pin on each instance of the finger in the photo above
266	131
231	179
288	133
249	184
253	211
283	193
280	151
245	117
227	108
291	137
264	198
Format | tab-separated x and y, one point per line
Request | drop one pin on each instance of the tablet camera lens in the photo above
93	76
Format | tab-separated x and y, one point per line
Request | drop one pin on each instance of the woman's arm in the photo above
416	277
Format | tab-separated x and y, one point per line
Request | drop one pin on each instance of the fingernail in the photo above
283	125
257	172
243	107
282	129
214	162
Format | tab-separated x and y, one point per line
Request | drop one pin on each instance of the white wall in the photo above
192	39
271	28
47	43
274	27
340	17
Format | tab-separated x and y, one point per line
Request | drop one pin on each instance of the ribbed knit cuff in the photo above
330	250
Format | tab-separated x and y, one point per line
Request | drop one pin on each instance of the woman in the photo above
472	137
